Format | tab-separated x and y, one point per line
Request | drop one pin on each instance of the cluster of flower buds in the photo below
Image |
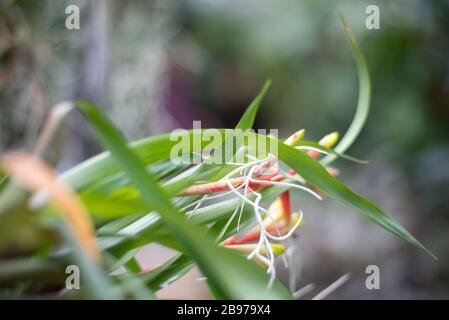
281	219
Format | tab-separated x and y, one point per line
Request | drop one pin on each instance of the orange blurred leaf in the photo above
34	175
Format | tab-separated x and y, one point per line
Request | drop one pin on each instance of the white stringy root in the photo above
248	170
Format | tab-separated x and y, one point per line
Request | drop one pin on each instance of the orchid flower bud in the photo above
295	138
327	141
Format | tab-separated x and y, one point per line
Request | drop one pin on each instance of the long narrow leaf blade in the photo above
363	103
318	176
229	275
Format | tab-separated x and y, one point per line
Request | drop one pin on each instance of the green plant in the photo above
132	195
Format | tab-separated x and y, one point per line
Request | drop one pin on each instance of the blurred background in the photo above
154	66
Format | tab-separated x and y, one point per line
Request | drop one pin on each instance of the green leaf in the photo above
318	176
131	285
245	123
247	120
229	275
143	230
149	150
168	272
363	103
97	283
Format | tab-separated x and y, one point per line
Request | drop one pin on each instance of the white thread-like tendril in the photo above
250	172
